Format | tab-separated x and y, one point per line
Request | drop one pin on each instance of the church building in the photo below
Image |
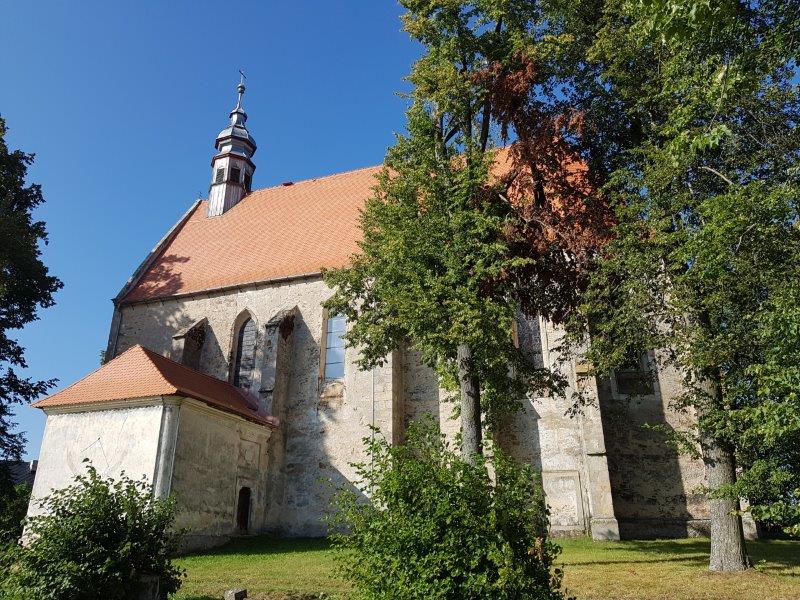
227	384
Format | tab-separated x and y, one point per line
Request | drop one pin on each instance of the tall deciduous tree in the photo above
693	108
25	285
459	237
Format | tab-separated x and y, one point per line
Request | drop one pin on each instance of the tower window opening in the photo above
248	181
236	174
220	176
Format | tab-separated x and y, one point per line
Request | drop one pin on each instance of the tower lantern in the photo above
232	167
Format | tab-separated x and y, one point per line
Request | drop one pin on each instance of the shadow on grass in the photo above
266	545
776	554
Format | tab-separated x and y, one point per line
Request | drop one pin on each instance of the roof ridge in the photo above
313	179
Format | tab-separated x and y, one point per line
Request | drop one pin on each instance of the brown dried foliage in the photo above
562	219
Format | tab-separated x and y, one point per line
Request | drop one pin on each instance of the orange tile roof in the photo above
142	373
273	233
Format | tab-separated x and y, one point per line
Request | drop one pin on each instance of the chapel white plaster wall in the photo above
116	440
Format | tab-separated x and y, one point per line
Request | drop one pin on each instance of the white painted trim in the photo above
103	405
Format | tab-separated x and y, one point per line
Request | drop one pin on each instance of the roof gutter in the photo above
227	288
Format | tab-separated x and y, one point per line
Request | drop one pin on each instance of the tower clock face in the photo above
101	440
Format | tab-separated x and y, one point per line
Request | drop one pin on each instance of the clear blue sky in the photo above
121	103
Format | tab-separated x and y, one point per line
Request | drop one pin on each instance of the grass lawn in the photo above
274	569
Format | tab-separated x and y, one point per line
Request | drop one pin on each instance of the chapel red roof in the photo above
142	373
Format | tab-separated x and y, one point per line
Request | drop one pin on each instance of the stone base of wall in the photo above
571	534
647	529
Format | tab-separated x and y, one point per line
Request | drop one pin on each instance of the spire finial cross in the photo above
240	89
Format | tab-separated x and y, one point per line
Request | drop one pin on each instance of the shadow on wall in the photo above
646	478
313	425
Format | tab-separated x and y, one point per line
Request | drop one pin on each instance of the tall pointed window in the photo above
335	328
245	358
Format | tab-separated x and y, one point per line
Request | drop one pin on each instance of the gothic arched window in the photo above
245	359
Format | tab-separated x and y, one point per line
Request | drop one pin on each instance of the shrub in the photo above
437	527
97	538
13	507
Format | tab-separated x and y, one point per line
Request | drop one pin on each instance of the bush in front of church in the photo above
427	525
98	538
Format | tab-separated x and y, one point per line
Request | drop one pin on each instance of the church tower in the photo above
232	167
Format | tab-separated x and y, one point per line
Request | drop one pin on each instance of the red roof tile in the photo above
142	373
289	230
273	233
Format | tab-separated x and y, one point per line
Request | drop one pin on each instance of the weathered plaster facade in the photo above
102	437
603	474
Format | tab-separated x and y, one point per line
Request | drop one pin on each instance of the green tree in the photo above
459	237
13	507
97	538
438	527
694	108
25	285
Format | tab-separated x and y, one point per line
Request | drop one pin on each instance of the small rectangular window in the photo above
248	181
236	175
334	347
635	377
220	176
528	338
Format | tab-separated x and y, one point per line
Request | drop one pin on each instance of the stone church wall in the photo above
656	489
216	455
585	460
324	425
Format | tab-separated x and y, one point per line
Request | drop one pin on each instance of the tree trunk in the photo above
470	406
728	552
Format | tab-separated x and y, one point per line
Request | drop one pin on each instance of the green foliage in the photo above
96	539
438	527
25	285
436	268
431	248
702	161
13	507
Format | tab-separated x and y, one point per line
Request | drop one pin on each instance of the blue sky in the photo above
121	103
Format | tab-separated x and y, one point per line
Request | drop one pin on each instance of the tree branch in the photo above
487	104
718	174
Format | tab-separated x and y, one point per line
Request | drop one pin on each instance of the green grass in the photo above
274	569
